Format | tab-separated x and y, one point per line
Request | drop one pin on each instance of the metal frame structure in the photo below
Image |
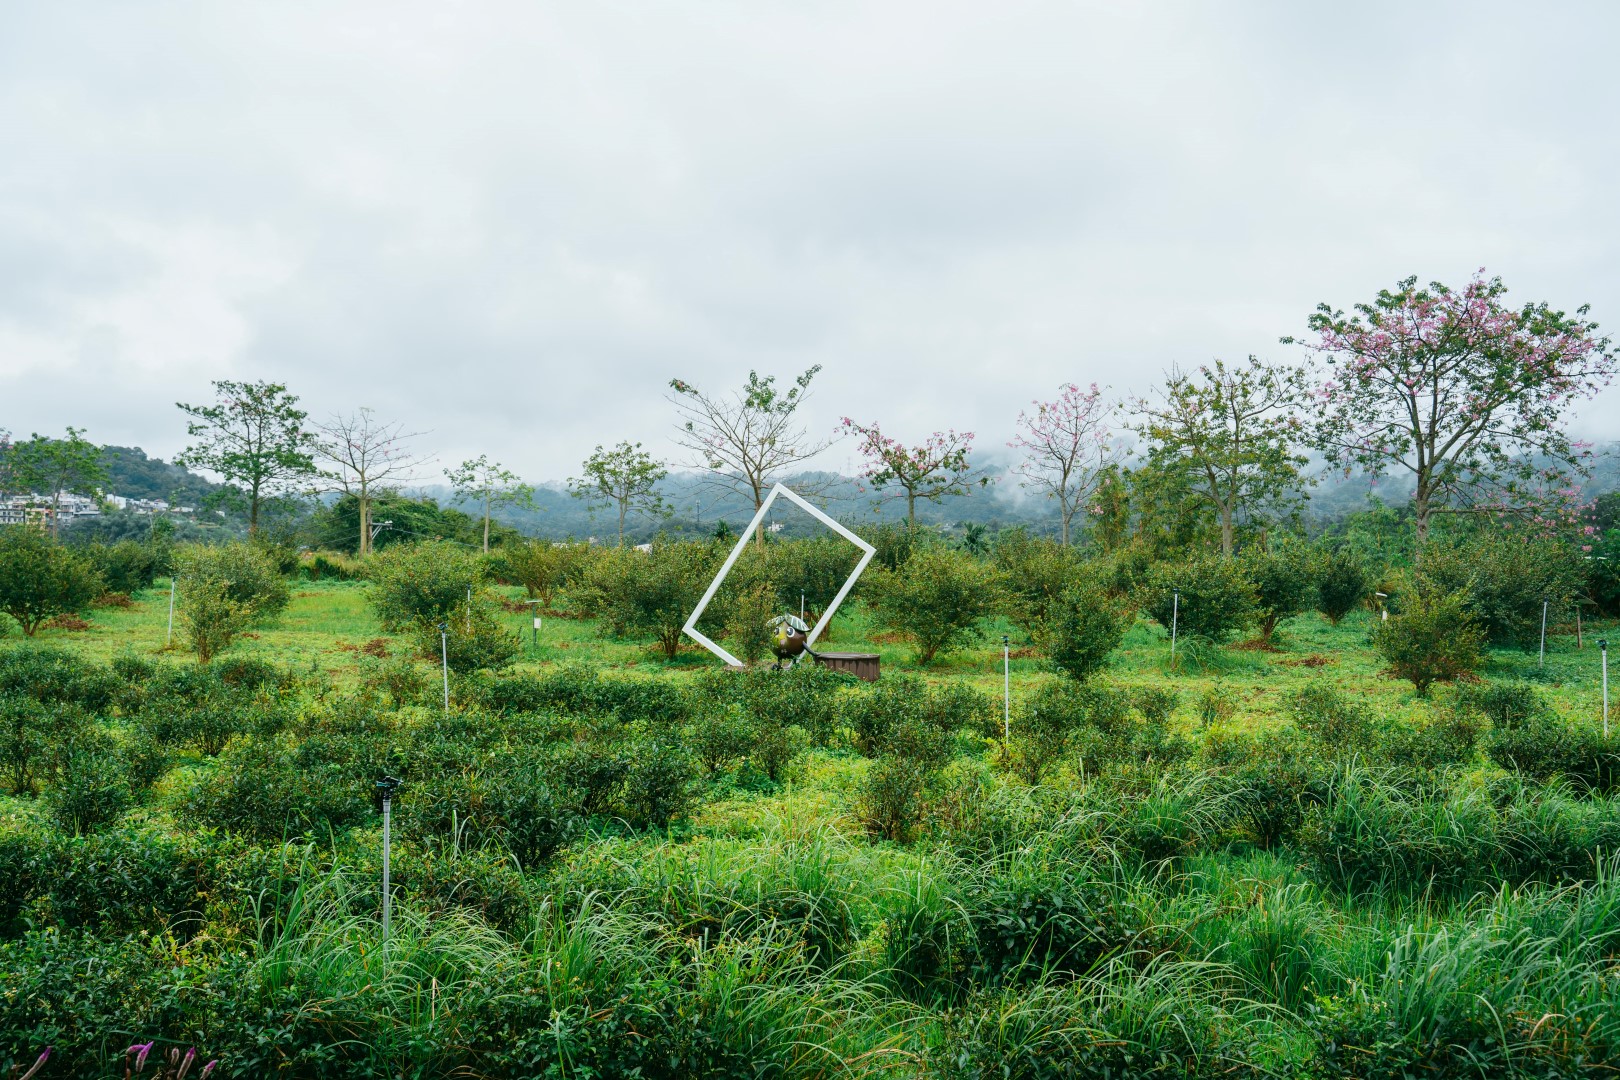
867	551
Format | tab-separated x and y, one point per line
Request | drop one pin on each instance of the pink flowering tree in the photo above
1461	390
1066	444
937	468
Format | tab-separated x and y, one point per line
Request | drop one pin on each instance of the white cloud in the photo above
513	223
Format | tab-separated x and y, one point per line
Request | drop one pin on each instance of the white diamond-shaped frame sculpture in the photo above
867	551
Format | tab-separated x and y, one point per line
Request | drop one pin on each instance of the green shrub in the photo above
91	787
937	600
581	689
1337	724
748	630
222	590
40	579
1432	639
127	566
423	584
543	568
870	711
1504	580
1372	833
512	804
890	798
1529	738
657	789
1285	577
1058	720
32	737
467	643
1342	584
653	592
1216	599
56	676
1272	778
1036	574
1081	628
721	738
1035	922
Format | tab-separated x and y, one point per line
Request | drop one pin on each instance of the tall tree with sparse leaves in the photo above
750	438
490	484
1067	447
1229	432
940	466
57	467
626	477
364	455
1461	390
253	437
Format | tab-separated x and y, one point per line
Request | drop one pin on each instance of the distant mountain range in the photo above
700	503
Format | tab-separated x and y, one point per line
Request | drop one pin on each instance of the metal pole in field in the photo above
444	656
168	638
1006	691
1603	647
1543	633
1175	616
469	609
387	785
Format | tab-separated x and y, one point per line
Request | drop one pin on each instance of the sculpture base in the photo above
859	664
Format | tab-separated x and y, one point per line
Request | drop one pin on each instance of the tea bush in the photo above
222	590
41	579
1285	576
1081	628
1216	599
936	600
1432	639
1342	585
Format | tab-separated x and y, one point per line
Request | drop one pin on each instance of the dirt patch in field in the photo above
1256	645
377	647
66	622
1315	660
113	600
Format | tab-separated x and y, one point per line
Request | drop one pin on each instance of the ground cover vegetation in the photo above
1358	820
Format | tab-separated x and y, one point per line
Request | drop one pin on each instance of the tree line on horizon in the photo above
1458	396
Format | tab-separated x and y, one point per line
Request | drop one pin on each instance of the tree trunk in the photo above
1226	531
911	513
365	523
1421	510
1065	515
621	523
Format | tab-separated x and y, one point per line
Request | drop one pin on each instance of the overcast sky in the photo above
513	223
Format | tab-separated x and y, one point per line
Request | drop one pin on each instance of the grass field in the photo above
1099	924
327	621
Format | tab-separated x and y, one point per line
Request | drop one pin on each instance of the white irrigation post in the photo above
1006	692
387	785
1603	648
1175	616
801	605
1543	633
444	656
469	609
168	639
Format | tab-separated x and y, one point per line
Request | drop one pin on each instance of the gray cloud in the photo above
513	223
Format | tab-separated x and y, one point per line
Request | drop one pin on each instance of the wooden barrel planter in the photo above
862	665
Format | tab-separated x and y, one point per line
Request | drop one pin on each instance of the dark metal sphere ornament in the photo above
790	639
